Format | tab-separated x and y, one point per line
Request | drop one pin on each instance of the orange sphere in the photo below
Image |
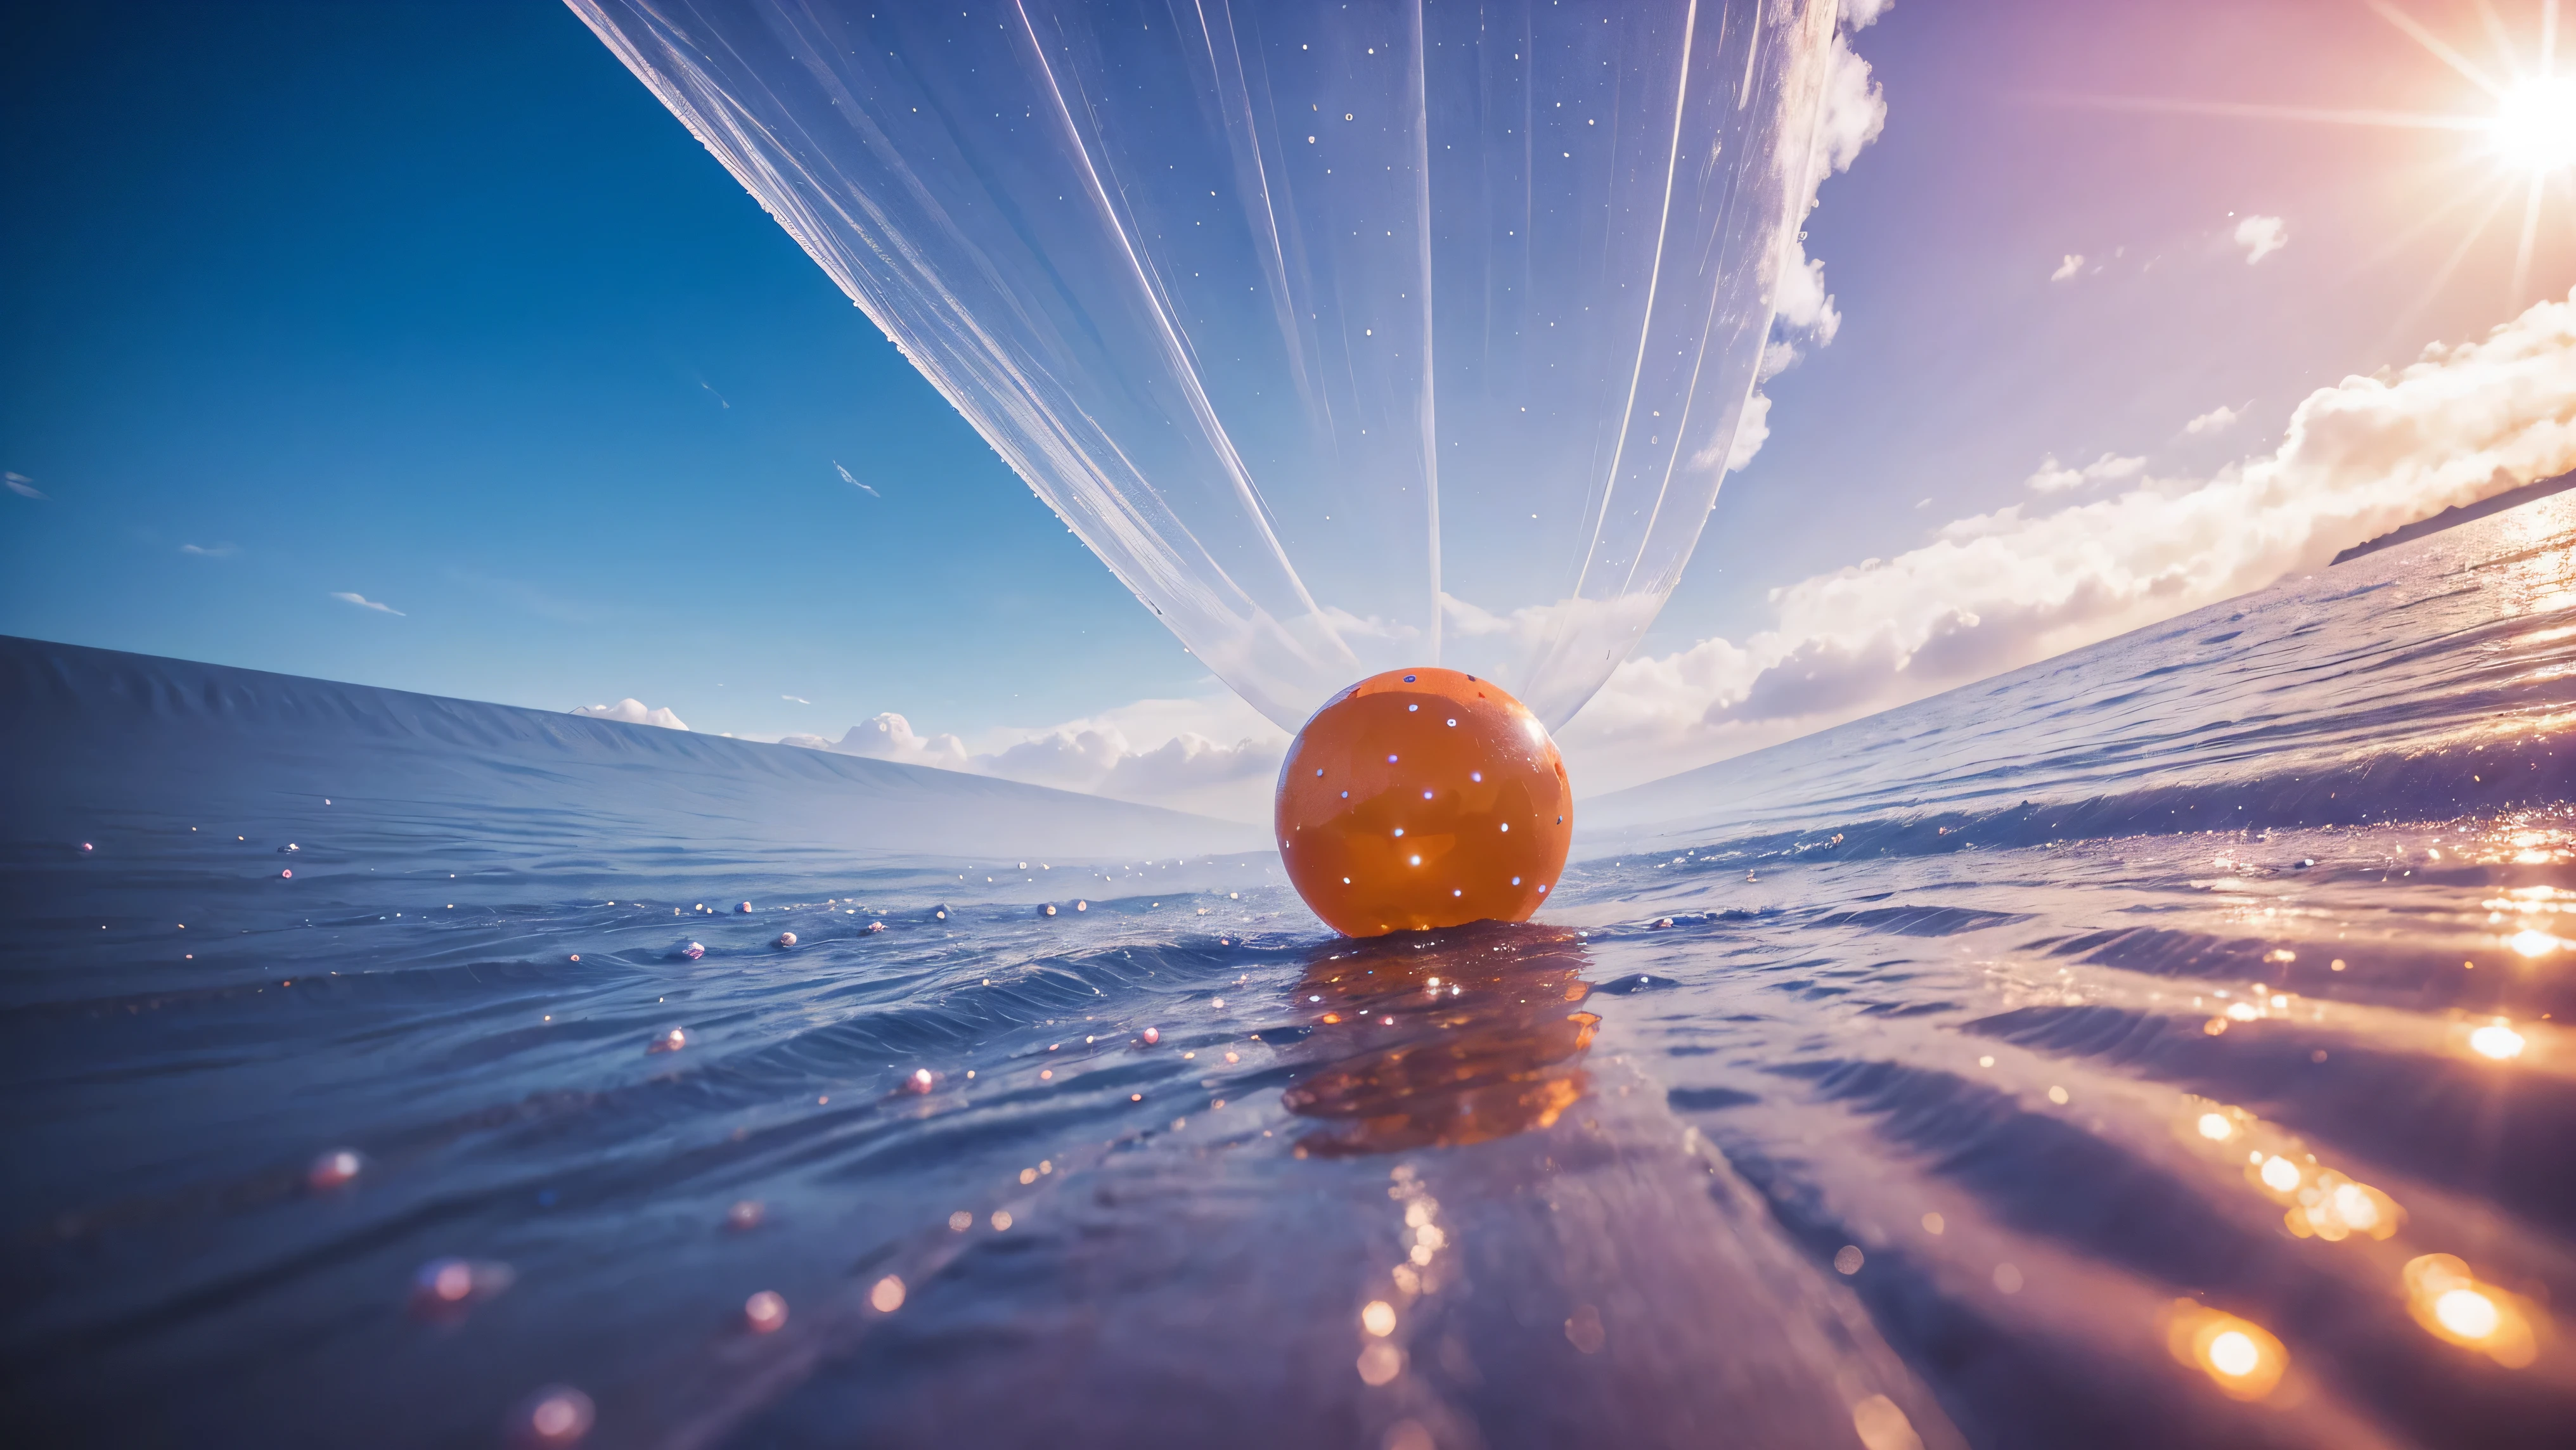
1423	798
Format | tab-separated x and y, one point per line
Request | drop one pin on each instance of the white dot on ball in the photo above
1516	881
1417	860
1507	825
1453	724
1409	709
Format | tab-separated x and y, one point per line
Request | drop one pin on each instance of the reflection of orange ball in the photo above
1423	798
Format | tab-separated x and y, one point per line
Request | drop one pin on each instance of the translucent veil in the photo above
1348	336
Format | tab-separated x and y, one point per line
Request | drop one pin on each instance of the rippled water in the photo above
2155	1047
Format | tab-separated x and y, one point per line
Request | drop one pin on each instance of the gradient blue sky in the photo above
436	305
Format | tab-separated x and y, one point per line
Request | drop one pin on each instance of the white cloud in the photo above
2261	236
852	482
2055	477
796	699
2216	420
363	602
1751	432
210	551
2000	590
891	737
21	485
1854	113
1161	752
632	711
2073	264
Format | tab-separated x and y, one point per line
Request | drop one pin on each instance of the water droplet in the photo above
554	1416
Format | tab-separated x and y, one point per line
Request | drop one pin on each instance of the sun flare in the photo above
2534	129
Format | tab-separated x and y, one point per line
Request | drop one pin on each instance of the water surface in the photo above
2155	1046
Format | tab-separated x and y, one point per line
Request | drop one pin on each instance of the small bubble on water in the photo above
745	1215
334	1169
554	1416
787	939
764	1312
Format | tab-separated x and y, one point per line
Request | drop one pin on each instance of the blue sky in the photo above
435	305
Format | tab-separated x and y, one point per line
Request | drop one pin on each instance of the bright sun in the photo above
2535	124
2522	124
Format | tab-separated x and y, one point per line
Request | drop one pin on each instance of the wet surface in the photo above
1963	1090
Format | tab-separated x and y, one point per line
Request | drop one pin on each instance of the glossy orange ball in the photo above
1423	798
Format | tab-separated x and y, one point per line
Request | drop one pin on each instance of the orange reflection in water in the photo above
2239	1356
1474	1037
2317	1201
2453	1305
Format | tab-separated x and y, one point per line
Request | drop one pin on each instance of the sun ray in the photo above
2502	38
2548	37
2442	50
2415	230
2530	233
2398	329
2255	111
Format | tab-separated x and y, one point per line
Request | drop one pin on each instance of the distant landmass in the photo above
2461	514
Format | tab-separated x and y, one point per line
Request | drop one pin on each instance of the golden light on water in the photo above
2497	1040
2317	1201
2232	1353
2530	943
2467	1313
2239	1356
2335	1208
2453	1305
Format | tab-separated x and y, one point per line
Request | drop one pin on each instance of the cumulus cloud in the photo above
2055	477
363	602
1751	432
1853	115
1161	752
891	737
21	485
2261	236
2073	264
2216	420
2002	589
631	711
211	551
